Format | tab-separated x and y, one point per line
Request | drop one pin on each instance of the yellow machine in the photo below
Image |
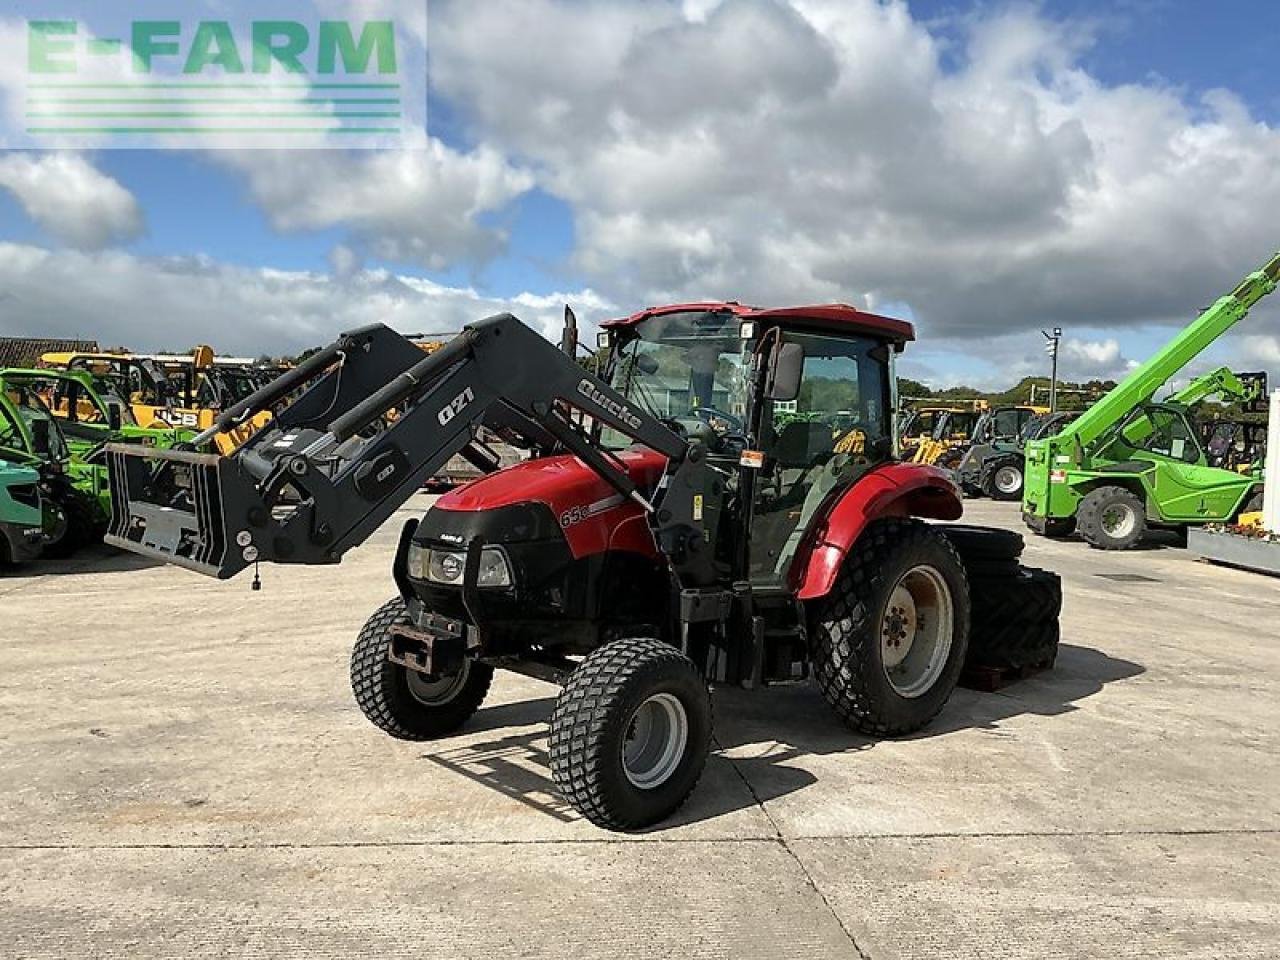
186	392
929	432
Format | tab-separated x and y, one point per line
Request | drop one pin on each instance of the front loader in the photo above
1130	463
667	532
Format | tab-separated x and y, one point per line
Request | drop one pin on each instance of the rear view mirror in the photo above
40	437
784	372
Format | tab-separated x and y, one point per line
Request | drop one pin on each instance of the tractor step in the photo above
987	679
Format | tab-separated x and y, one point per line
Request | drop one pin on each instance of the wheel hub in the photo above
898	629
655	741
1007	480
434	691
1118	520
916	631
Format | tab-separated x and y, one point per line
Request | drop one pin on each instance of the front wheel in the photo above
890	639
1112	518
404	703
1002	480
630	734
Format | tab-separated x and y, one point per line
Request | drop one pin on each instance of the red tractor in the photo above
720	502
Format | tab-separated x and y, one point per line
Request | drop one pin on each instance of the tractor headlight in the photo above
449	566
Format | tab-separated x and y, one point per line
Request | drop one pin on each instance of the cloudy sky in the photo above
983	169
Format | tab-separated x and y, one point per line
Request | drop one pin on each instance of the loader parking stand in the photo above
586	480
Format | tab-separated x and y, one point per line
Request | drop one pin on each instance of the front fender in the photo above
894	490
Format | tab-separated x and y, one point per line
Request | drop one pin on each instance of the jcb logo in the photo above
459	403
179	418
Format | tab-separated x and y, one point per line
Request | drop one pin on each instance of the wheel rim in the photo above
1118	520
916	631
656	736
1008	480
436	691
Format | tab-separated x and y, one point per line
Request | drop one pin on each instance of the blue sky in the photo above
195	205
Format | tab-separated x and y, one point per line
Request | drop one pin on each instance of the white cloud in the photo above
173	303
1093	360
71	199
422	205
784	152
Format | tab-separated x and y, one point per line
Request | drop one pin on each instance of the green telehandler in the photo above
82	420
1130	463
70	496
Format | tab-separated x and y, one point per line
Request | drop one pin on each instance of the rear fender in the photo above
895	490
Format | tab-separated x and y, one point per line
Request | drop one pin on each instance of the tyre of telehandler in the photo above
404	703
630	733
890	639
73	527
1111	518
1002	479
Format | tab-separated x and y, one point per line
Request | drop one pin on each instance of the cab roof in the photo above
835	316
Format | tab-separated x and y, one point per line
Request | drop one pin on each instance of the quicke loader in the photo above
663	535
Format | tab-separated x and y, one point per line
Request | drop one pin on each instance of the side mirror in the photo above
784	372
114	417
40	437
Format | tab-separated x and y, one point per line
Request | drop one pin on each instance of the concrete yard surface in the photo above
184	773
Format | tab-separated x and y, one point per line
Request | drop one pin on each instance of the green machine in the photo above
1130	463
76	495
67	448
21	514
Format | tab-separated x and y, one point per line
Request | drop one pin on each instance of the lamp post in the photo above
1051	348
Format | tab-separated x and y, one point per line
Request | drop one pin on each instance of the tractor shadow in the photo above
761	737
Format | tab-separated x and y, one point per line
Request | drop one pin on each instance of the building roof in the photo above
832	314
26	351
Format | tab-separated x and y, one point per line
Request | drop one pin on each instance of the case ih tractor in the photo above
663	535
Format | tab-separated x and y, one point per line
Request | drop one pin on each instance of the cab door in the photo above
837	428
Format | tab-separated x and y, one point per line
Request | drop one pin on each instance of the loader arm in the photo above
377	419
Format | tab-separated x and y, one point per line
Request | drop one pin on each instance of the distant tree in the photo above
912	388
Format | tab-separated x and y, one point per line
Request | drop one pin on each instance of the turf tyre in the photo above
594	717
383	689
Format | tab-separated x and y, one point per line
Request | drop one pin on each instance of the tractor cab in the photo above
29	433
793	406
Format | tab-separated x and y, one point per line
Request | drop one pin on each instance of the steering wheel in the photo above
708	415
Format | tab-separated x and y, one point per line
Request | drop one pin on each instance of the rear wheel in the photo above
1002	479
407	704
630	733
1112	518
890	638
